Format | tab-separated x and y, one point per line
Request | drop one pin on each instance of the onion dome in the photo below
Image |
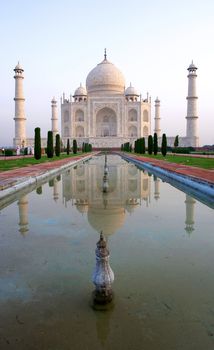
80	91
108	220
131	91
105	78
157	100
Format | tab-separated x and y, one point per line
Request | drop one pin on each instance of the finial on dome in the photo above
105	55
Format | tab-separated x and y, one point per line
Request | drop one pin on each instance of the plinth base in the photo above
102	302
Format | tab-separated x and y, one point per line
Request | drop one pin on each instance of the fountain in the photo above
103	277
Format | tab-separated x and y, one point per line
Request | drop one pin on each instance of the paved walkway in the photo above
193	172
11	177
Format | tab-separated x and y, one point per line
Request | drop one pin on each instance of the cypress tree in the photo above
150	144
122	147
57	148
140	145
68	147
155	144
50	149
83	147
74	146
37	144
143	145
176	142
164	145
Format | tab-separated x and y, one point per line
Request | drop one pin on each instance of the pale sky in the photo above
152	42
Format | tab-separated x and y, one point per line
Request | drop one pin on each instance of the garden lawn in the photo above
205	163
8	164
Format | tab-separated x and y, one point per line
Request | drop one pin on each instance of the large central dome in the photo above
105	78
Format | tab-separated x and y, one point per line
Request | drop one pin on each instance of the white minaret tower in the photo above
192	108
157	117
54	118
20	119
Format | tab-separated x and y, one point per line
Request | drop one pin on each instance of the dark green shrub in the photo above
164	145
8	152
155	146
74	146
50	148
182	150
68	147
57	147
176	142
150	144
37	144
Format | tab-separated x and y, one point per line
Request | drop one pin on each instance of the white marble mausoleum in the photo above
106	113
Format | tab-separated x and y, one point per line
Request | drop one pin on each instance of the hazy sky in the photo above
152	42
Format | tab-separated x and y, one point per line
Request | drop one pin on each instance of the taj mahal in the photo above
106	113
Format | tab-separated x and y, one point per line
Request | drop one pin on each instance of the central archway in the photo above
106	122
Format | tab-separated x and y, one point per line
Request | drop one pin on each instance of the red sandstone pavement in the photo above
11	177
193	172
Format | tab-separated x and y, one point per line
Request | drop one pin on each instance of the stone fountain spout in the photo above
103	276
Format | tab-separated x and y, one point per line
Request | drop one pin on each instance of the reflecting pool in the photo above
161	244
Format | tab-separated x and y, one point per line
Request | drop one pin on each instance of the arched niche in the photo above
132	115
145	116
66	116
79	116
132	131
106	122
66	131
79	131
145	131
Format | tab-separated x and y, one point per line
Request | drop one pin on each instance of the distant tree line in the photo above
140	145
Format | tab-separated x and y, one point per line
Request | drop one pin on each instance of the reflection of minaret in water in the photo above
190	206
23	215
156	188
56	190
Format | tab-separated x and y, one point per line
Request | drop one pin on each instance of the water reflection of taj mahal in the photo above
129	188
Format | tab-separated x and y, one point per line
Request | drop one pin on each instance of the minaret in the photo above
157	118
20	128
192	108
190	209
54	118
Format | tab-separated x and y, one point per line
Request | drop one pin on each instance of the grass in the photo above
205	163
8	164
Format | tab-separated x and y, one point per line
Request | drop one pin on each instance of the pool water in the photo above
161	243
